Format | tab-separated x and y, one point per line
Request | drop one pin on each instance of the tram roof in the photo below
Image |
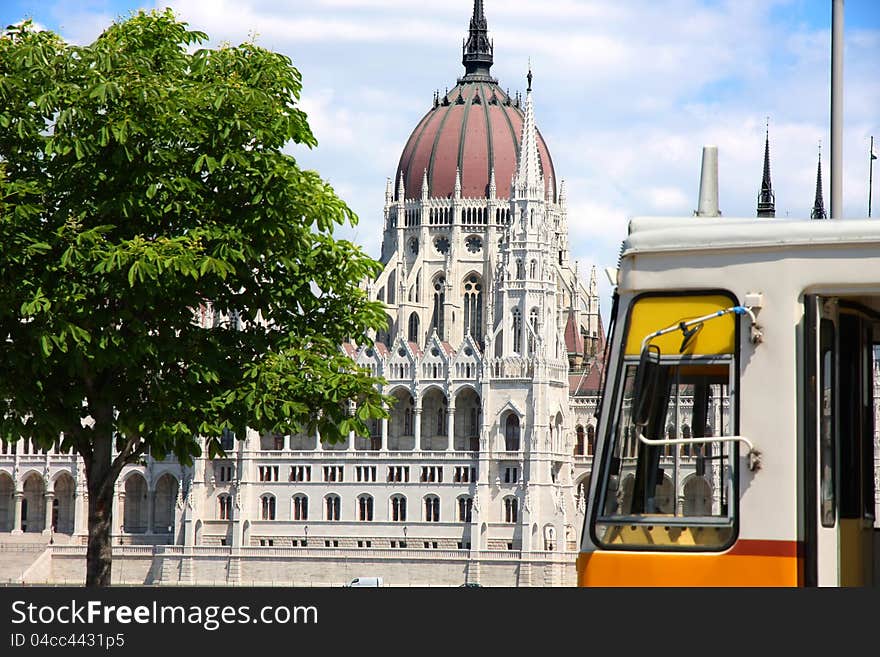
668	234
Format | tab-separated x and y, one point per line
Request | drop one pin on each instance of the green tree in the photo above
140	180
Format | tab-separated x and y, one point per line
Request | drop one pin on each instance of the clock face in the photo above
473	244
442	245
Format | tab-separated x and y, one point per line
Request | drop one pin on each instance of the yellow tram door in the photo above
838	491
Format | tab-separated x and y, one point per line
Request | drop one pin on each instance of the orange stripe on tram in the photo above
747	563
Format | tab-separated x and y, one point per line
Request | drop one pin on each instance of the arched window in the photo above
511	509
591	439
441	420
579	443
225	503
398	508
439	299
227	440
697	497
300	507
392	283
533	323
511	433
432	508
331	506
413	335
473	306
365	508
686	433
408	421
517	330
520	270
268	507
533	269
549	538
465	508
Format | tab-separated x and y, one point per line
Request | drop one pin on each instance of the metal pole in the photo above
836	109
871	158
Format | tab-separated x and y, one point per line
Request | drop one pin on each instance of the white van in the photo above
366	581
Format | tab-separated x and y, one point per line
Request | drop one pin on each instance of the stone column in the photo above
78	501
417	429
16	527
287	442
118	513
47	525
450	428
151	505
384	424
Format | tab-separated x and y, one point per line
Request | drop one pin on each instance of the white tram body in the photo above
772	483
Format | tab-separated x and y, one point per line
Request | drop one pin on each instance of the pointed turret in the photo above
401	190
389	192
492	188
476	51
562	195
425	185
818	211
766	199
457	189
529	182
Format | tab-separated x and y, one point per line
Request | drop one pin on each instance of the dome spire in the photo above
818	211
766	199
477	49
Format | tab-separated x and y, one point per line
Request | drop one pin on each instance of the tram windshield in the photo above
679	493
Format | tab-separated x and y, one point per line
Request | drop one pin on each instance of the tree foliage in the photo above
143	178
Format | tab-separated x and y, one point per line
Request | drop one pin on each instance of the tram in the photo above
735	443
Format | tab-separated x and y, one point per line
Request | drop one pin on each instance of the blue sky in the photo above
626	93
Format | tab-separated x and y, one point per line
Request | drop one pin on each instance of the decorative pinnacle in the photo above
766	198
818	211
529	181
477	50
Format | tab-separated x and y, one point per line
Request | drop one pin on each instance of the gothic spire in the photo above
529	181
818	211
766	199
401	190
477	49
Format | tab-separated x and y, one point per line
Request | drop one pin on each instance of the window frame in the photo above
606	438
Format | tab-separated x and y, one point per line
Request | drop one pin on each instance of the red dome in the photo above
475	127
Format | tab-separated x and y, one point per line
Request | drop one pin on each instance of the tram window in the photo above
827	487
639	504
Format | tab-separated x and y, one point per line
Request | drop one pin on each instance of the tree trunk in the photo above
99	552
100	481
